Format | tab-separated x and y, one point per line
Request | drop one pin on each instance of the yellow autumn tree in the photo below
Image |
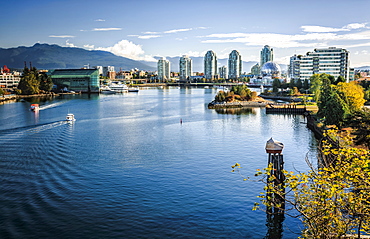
332	200
353	94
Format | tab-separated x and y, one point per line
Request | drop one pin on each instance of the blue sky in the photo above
141	29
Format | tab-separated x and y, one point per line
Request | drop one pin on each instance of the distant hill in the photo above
363	68
45	56
198	64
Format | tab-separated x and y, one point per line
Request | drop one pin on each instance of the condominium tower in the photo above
223	72
210	65
235	65
333	61
163	69
185	68
267	54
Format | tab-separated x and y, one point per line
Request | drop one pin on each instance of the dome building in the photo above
271	69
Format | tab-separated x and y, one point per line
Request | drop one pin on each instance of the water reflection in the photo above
274	223
237	111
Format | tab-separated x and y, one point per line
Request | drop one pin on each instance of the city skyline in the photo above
142	29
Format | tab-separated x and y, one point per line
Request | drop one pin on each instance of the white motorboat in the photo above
107	90
118	87
70	118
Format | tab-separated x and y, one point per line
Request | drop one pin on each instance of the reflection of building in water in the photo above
237	111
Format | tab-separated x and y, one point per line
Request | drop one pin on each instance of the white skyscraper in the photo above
163	69
186	68
235	65
333	61
267	54
210	65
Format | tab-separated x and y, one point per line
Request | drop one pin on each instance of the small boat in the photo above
70	118
107	90
34	107
119	88
133	89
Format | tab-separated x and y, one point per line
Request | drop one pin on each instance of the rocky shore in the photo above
259	102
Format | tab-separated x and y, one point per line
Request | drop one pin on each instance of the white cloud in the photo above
108	29
322	29
70	44
151	33
128	49
91	47
348	27
311	39
355	25
194	53
62	36
179	30
148	36
100	20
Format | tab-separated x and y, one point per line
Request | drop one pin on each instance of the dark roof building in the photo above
84	80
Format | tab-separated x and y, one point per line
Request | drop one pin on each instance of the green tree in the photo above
316	83
46	84
298	84
220	97
276	84
2	92
335	110
360	122
29	82
306	84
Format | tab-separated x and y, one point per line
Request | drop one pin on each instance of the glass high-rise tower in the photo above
267	54
163	69
210	65
185	67
235	65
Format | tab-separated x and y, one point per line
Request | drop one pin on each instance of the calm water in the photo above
129	169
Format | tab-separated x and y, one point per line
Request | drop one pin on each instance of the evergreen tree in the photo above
29	83
46	84
306	84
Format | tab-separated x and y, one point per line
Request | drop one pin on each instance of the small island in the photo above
239	96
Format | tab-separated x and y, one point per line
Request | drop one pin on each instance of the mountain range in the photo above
45	56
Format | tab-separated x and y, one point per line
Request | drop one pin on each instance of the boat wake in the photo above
31	128
44	107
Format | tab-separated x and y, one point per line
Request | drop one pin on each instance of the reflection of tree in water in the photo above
237	111
274	223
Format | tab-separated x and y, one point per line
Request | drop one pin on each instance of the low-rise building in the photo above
81	80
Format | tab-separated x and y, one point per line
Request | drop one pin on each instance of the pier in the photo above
285	109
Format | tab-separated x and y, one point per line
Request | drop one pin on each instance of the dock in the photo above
285	109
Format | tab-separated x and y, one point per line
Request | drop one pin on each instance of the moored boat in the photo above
107	90
133	89
119	88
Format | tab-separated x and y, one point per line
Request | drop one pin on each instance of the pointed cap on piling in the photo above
274	147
